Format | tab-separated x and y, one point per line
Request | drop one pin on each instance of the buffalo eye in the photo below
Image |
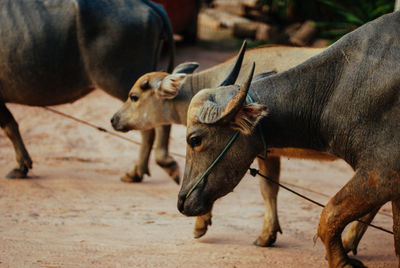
134	98
194	141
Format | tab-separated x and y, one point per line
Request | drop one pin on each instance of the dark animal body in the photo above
57	51
344	101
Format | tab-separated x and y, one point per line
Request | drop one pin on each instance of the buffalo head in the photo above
213	118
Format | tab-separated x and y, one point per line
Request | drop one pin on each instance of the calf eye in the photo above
194	141
134	98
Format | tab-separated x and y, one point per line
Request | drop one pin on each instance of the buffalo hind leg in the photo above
269	191
142	166
10	129
356	232
364	193
163	159
201	224
396	227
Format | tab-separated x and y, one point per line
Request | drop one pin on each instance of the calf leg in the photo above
201	225
165	161
142	166
356	232
365	192
396	226
269	191
10	129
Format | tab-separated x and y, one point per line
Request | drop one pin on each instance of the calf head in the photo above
148	103
213	118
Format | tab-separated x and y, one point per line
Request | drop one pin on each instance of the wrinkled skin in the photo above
159	98
57	52
337	103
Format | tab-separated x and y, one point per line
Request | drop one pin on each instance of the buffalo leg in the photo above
356	232
201	224
364	193
269	191
142	166
162	158
396	226
10	129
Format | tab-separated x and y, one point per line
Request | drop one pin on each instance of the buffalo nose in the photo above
114	120
181	202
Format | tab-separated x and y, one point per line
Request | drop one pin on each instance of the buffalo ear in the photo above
248	117
186	68
170	85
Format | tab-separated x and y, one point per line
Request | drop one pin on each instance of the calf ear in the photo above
186	68
248	117
170	85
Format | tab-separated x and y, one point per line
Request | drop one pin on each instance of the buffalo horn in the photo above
236	102
232	76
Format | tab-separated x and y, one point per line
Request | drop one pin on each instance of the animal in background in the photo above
58	51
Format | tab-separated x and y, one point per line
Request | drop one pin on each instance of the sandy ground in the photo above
75	212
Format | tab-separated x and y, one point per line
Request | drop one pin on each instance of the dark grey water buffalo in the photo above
160	98
57	51
344	101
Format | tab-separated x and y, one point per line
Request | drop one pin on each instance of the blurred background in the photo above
315	23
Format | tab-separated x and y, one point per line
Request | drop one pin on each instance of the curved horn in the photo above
211	113
236	102
232	76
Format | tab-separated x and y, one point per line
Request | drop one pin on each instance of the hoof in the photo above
260	242
17	174
171	167
352	263
199	233
176	179
128	178
201	226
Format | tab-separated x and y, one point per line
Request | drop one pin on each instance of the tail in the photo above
168	28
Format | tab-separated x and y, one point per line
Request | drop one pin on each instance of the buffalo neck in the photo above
295	100
337	101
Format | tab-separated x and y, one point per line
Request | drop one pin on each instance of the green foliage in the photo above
333	17
348	15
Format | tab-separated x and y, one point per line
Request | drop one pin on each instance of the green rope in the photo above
234	137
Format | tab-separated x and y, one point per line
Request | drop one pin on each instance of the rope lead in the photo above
254	172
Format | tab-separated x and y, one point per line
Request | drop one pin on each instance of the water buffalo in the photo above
344	101
160	98
57	51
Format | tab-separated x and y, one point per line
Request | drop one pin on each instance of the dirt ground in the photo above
73	211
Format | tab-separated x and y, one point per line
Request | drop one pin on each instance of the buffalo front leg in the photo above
142	166
364	193
10	129
269	191
396	226
356	232
163	159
